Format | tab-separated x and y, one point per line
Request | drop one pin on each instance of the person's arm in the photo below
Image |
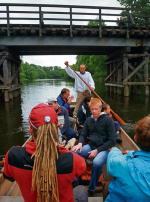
115	162
79	165
111	134
66	118
81	116
70	72
82	138
7	170
66	106
91	81
84	133
62	103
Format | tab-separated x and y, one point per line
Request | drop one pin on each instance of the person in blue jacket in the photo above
64	99
131	172
65	128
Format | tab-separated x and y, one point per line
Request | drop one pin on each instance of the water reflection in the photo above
39	92
130	109
10	125
14	115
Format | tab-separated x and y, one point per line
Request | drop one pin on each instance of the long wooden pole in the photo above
115	115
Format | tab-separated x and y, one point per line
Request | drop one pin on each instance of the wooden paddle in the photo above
116	116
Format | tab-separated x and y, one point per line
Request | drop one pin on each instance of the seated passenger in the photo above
84	110
64	99
95	140
43	170
131	171
106	109
66	129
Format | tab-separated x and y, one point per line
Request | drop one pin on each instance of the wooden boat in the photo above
9	192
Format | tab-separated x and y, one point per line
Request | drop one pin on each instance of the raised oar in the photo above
115	115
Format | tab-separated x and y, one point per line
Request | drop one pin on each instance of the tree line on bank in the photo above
95	64
31	72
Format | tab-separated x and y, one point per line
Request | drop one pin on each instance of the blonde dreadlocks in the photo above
44	174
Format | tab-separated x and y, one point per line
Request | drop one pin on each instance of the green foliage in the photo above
139	11
95	23
30	72
95	64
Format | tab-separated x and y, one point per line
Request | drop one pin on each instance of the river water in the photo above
14	115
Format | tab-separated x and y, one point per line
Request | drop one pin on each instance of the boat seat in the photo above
95	199
11	199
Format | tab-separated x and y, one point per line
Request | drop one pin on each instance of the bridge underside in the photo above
49	45
127	65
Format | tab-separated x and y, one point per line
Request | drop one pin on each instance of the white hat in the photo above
51	100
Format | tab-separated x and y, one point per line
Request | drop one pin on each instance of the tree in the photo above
138	10
95	23
30	72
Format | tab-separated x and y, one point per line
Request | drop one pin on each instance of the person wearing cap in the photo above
66	129
80	87
42	168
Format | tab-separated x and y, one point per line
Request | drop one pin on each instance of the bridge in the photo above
44	29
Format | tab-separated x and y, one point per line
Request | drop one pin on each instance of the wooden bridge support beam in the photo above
9	73
125	74
146	74
6	74
114	78
130	72
119	79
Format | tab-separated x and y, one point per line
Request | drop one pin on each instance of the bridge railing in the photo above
65	15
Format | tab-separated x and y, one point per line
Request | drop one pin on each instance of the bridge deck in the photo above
64	30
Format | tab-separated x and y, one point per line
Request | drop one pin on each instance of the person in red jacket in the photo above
43	169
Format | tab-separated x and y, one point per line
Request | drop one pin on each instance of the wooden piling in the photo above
9	75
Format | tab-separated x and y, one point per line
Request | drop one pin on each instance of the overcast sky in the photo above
58	60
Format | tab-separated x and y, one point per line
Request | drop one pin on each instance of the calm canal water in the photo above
14	115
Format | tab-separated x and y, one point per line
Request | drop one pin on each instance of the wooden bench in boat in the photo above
11	199
95	199
20	199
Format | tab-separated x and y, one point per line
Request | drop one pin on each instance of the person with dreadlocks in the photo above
43	169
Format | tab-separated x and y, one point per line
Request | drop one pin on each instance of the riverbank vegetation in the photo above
95	64
31	72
